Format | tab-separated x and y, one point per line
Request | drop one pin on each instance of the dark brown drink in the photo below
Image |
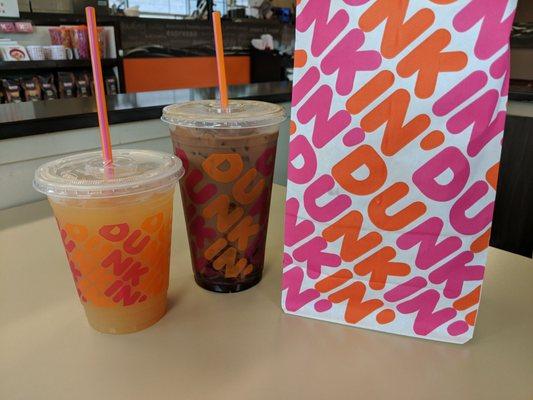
229	163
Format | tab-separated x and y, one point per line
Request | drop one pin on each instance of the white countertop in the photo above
240	346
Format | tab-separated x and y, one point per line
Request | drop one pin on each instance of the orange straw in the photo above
101	106
221	66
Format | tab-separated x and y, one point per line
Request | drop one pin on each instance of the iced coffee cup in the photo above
116	231
229	165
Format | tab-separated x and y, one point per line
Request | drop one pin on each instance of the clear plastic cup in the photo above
116	232
229	162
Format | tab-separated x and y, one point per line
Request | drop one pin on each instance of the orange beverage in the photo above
116	233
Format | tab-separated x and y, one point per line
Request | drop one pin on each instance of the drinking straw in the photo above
221	66
107	153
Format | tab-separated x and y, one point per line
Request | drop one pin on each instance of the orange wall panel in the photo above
146	74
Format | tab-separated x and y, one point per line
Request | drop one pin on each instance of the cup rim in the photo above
52	180
255	114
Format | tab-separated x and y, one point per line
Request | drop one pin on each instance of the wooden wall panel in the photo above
512	227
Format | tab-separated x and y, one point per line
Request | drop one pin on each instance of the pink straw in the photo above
105	137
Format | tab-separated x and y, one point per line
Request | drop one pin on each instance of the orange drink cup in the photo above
229	161
116	232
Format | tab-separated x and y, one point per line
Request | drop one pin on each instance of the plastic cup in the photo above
116	232
229	165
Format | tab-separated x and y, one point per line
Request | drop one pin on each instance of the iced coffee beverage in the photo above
229	162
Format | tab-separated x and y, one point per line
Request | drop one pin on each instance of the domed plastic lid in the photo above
208	114
84	176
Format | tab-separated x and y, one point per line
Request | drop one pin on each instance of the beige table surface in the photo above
240	346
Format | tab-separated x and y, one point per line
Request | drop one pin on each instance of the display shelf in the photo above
53	64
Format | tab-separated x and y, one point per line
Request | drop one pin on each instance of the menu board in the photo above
178	34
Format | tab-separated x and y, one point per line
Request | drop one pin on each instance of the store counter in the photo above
32	118
239	346
182	72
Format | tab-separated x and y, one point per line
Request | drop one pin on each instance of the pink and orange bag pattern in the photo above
398	113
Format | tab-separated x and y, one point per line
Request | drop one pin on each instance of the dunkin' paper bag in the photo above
398	112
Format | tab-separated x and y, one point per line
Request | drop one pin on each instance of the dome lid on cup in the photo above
84	176
208	114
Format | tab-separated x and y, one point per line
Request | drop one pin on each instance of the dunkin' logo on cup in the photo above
128	272
118	264
233	210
